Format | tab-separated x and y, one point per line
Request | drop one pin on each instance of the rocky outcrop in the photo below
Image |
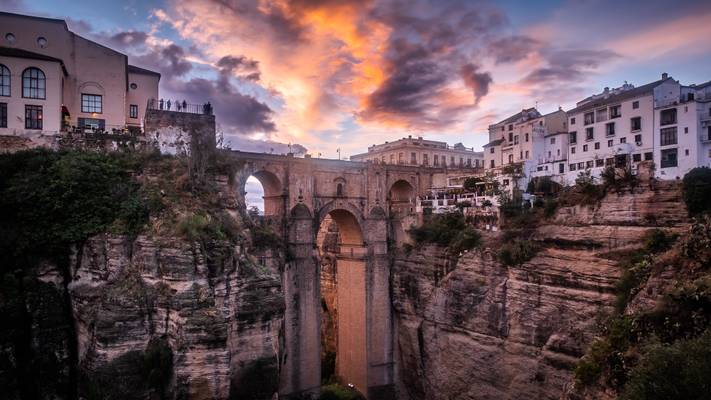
477	329
218	310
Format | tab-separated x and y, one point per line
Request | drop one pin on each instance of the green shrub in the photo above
632	276
679	371
470	183
696	190
265	237
51	200
486	203
203	226
606	356
517	252
447	230
550	208
338	392
658	240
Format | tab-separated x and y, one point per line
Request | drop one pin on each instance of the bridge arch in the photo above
273	191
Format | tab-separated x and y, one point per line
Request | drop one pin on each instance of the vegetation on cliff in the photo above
657	353
447	230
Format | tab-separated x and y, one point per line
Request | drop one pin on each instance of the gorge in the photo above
173	291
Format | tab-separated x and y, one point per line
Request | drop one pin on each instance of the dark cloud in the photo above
512	48
237	112
477	81
129	39
568	65
428	46
171	61
241	66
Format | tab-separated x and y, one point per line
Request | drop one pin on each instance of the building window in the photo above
572	150
516	139
597	145
461	161
589	164
400	158
573	137
527	137
133	111
526	153
561	168
635	105
436	160
609	161
413	158
636	123
589	133
610	143
638	139
648	156
636	157
599	162
585	148
571	167
33	117
510	127
686	129
451	161
491	150
469	162
392	158
669	158
667	117
686	152
33	84
667	136
610	129
3	115
91	103
589	118
615	112
572	121
492	163
552	140
425	159
601	115
581	165
623	140
4	81
520	156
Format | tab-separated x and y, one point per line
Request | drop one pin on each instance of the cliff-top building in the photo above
52	79
662	121
422	152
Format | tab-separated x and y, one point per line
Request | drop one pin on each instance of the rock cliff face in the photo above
472	328
217	309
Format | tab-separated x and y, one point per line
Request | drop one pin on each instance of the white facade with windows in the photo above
47	72
660	121
526	138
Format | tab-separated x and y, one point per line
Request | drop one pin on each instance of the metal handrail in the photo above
179	106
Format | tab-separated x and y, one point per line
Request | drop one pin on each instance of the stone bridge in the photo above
371	204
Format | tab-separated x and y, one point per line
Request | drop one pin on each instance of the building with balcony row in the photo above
52	79
422	152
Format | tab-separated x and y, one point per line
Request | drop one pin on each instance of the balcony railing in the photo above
180	106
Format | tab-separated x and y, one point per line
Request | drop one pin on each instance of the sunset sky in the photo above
347	74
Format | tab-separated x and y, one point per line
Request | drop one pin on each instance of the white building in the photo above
530	139
661	121
52	79
422	152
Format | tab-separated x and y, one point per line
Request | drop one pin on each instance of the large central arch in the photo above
345	297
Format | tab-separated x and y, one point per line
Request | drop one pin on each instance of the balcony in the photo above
180	107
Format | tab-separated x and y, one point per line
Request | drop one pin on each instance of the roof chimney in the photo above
665	75
607	89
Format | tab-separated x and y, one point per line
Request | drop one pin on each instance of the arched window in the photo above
339	190
33	84
4	81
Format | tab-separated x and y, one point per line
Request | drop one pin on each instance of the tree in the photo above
470	183
696	190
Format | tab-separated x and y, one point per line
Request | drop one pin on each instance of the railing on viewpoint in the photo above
180	106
